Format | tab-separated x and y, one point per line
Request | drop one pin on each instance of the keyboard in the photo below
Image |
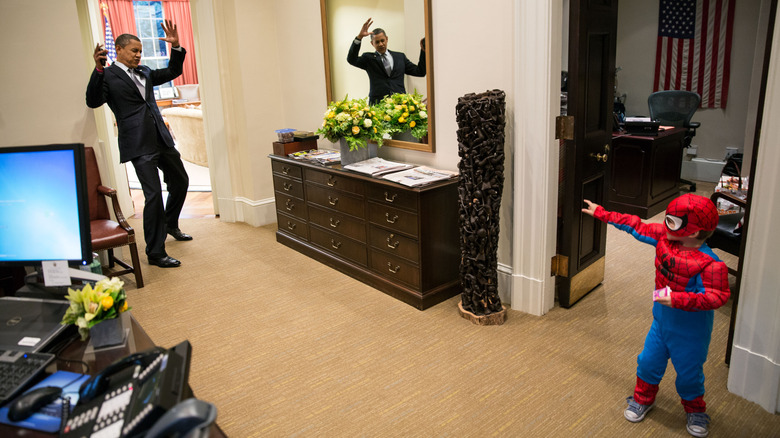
20	369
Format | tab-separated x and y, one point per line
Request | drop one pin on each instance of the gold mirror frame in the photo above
430	146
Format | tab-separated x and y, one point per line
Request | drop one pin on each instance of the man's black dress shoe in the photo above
164	262
178	234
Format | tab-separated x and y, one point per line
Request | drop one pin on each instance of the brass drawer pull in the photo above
290	225
335	223
389	198
334	244
289	205
286	170
391	221
332	201
393	245
332	181
286	186
391	269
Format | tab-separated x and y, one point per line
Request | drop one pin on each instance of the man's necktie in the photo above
386	63
141	88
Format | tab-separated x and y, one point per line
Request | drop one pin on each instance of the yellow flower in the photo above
356	130
405	115
411	108
124	306
387	118
401	120
411	124
331	114
374	129
107	302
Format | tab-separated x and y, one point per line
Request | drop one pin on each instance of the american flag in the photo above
694	48
109	35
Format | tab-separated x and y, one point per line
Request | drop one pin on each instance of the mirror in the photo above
405	23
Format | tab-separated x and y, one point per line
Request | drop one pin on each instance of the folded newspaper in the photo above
420	176
321	156
376	166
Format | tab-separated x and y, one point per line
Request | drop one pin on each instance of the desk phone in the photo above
130	395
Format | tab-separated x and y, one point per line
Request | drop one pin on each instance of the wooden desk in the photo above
644	172
138	340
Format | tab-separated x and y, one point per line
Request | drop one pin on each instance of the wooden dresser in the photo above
400	240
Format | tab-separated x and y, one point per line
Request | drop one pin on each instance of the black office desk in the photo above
644	172
138	340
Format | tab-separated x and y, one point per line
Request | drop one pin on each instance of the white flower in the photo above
423	115
367	123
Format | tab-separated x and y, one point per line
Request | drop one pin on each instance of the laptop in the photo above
30	324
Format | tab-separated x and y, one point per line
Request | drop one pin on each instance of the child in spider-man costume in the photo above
697	283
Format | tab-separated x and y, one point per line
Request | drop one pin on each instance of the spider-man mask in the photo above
690	213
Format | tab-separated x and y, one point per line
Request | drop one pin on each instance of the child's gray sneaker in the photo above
698	423
636	412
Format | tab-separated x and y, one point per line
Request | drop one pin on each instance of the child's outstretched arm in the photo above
647	233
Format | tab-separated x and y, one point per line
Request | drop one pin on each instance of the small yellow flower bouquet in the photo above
90	306
404	112
352	120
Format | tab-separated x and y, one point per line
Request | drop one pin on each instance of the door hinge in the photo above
564	128
560	265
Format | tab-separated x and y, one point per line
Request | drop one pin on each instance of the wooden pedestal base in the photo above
497	318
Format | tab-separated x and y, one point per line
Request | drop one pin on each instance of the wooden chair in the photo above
108	234
726	239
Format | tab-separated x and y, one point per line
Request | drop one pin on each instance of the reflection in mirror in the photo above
405	24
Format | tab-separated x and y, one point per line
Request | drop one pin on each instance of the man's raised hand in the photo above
100	56
364	32
171	33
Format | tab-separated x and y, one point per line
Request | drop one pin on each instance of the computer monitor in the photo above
44	205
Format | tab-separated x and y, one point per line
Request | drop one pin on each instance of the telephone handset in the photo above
130	395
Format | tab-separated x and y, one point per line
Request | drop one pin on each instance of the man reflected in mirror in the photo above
385	68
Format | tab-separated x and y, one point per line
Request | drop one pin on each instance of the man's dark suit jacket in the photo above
139	120
380	84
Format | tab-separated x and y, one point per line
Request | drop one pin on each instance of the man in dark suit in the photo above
385	69
144	140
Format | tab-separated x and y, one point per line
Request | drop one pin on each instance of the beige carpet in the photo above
285	346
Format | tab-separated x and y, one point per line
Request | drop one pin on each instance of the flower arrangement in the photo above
90	306
354	121
404	112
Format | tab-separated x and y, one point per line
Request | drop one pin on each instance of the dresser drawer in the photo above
395	269
334	181
392	196
338	223
393	218
288	186
290	205
287	169
394	244
335	200
339	245
292	225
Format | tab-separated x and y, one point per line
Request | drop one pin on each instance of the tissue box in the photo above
285	149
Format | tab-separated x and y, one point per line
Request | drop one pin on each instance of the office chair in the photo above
727	238
108	234
675	108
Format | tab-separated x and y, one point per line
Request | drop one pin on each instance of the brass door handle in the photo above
601	157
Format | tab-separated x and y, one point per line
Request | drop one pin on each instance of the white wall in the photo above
636	47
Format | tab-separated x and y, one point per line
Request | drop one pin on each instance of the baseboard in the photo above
755	377
240	209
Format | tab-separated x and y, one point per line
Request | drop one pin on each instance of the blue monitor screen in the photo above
41	205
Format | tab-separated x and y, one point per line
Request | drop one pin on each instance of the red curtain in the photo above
178	11
122	20
121	16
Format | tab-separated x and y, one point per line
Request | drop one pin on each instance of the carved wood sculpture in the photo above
481	120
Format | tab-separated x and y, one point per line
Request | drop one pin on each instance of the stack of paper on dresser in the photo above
420	176
376	166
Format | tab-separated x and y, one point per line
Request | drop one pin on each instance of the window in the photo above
148	17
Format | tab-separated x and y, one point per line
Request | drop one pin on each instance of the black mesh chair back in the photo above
673	107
